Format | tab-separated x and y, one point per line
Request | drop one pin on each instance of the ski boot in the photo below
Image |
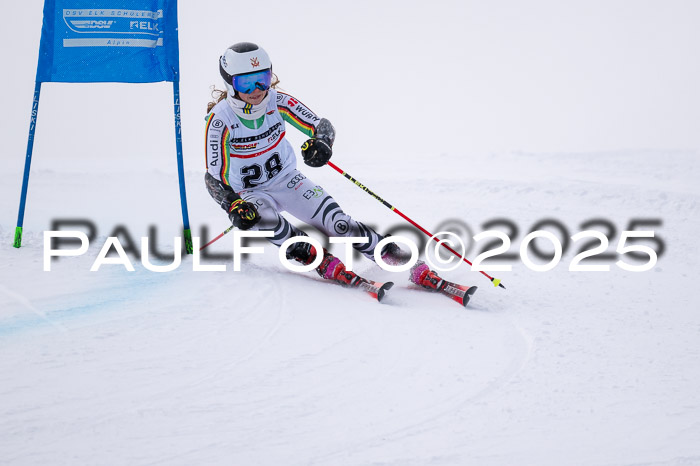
331	267
421	275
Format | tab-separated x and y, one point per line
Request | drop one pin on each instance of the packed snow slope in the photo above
467	116
269	367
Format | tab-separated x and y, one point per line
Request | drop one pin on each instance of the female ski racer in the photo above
252	174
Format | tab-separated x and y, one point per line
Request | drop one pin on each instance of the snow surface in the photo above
268	367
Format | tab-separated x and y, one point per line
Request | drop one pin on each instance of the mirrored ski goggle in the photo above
247	83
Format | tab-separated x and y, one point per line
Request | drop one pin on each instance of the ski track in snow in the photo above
26	304
433	417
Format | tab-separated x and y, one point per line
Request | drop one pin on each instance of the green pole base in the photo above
18	237
188	241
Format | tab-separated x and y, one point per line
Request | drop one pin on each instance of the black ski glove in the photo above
316	151
244	215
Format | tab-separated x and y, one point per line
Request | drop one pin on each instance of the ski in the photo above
460	293
376	290
425	278
332	269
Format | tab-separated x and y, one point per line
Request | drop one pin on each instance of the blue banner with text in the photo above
131	41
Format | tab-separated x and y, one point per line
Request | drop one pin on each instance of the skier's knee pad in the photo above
340	224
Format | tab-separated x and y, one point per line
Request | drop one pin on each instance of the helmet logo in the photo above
254	62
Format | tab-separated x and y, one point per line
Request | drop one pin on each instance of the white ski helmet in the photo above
242	58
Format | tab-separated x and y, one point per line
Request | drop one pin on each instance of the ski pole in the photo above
218	237
495	281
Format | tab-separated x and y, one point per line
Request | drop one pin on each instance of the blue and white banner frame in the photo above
130	41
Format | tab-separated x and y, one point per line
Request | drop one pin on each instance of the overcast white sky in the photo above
399	76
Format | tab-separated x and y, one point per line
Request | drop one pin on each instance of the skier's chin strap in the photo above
247	111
